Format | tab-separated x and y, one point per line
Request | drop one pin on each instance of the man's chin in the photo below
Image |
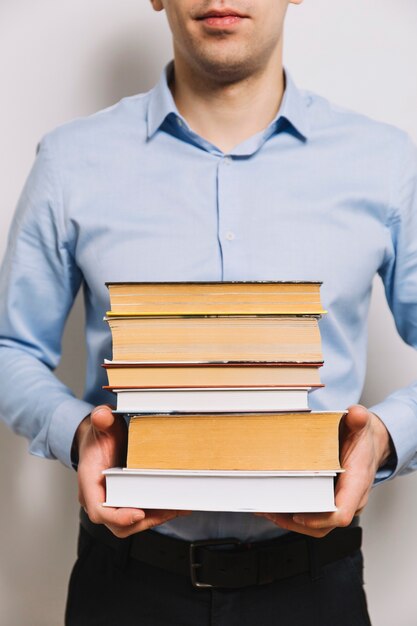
225	69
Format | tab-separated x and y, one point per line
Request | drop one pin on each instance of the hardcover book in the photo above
235	441
249	492
217	298
129	374
210	400
216	339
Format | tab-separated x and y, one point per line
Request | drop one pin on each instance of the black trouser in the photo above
107	589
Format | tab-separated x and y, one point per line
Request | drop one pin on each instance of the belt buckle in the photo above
194	565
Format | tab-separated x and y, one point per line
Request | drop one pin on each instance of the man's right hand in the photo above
101	441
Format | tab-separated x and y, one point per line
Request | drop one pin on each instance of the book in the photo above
231	298
216	339
211	400
155	375
235	441
280	492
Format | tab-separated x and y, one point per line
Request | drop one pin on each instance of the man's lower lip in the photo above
225	21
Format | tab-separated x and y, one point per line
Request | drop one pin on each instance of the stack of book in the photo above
215	379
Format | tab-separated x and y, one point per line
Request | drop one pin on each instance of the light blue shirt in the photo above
133	194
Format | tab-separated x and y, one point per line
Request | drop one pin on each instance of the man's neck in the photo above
227	115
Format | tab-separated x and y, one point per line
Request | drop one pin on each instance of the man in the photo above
224	171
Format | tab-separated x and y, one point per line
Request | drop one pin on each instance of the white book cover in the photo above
211	400
280	492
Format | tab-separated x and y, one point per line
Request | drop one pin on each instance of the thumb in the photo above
102	418
357	418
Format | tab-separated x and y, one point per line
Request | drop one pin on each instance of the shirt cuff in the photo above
401	422
64	423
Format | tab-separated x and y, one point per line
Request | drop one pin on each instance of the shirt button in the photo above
230	236
228	160
179	122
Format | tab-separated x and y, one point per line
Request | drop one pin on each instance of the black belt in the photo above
229	563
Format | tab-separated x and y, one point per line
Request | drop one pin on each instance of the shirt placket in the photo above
228	216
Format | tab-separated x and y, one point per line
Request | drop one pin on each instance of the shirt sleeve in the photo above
39	280
399	274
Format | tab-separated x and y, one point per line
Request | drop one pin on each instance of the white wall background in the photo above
59	60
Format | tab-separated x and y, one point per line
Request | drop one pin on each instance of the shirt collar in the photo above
161	103
293	107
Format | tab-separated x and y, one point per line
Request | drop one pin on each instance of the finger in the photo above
351	487
356	419
121	518
341	517
157	517
91	493
92	488
316	521
102	417
152	519
125	519
286	521
350	496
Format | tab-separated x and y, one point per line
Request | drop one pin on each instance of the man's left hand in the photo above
364	447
